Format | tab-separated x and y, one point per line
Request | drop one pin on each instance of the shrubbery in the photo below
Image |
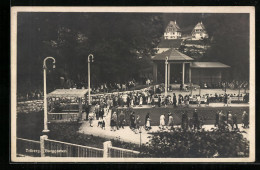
200	144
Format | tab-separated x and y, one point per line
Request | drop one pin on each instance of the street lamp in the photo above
45	92
166	64
90	59
140	132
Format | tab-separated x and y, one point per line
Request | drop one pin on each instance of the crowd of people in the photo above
121	118
234	84
230	120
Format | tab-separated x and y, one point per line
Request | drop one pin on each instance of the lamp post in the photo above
45	93
90	59
140	132
166	64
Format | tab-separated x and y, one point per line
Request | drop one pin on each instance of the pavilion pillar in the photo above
80	108
190	74
183	73
169	74
155	72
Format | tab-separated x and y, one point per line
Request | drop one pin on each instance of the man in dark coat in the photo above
195	119
132	120
87	108
121	119
174	100
128	101
159	101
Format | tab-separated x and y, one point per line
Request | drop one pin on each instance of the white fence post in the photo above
106	145
42	148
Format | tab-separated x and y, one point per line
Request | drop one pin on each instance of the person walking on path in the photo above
121	119
137	123
159	101
245	119
195	118
91	118
170	122
230	119
147	122
174	100
132	120
113	121
162	121
128	100
235	120
225	100
87	109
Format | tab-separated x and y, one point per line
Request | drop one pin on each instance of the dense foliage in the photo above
198	144
122	44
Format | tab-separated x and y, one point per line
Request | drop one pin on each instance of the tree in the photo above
121	44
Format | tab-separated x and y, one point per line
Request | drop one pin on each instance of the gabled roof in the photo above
174	43
209	65
68	93
200	26
173	25
173	55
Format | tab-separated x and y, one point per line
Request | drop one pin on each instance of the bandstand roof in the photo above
209	65
68	93
173	55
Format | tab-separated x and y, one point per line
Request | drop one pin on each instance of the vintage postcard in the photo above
133	84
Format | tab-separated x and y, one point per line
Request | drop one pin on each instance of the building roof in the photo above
199	26
173	43
173	26
173	55
68	93
209	65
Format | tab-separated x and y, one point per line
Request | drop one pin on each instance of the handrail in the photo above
28	140
127	150
88	147
66	113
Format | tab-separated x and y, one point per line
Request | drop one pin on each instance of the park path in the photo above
127	135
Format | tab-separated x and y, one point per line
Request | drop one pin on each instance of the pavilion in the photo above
71	103
197	71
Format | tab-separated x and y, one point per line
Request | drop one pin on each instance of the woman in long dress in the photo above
147	122
170	122
141	101
162	121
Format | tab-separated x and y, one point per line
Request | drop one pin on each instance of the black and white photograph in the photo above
132	84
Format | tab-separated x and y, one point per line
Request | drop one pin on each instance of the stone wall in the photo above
30	106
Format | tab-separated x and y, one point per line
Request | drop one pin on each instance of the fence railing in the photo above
115	152
26	147
62	117
53	148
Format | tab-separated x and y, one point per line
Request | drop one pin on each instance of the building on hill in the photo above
199	32
165	45
172	31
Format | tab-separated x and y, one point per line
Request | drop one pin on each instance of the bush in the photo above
200	144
